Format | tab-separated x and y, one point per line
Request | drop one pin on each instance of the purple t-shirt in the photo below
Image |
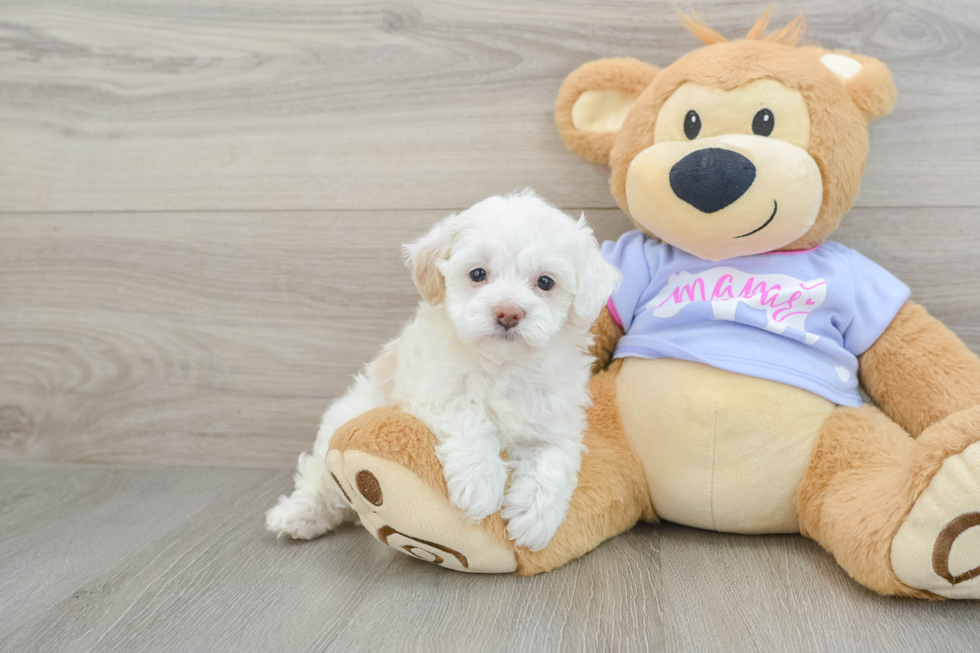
800	318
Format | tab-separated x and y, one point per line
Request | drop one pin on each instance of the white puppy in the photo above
495	359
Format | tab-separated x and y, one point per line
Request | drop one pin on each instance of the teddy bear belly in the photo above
720	450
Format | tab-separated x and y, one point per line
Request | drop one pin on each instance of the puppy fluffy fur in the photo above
480	386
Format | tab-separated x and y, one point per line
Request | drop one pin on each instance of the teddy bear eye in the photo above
692	125
478	275
545	283
763	122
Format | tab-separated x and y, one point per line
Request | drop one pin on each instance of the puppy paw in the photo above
476	486
534	510
302	517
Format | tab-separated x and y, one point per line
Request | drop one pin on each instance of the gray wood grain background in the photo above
180	563
201	205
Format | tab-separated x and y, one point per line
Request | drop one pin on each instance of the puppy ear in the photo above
867	80
424	253
596	280
593	102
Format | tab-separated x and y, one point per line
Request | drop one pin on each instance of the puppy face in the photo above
513	271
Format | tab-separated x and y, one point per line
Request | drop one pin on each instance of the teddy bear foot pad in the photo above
937	548
402	511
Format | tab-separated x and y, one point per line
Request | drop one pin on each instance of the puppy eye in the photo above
692	125
545	283
478	275
763	122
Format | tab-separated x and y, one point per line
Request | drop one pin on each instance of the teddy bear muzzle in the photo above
725	196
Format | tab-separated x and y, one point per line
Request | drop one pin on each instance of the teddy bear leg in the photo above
612	494
898	514
385	464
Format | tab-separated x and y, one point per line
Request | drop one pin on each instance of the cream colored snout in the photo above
725	196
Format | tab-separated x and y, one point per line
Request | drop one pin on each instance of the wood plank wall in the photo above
201	203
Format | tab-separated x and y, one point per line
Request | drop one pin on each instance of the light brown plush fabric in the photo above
628	76
864	477
611	497
866	471
872	89
937	548
399	437
839	111
852	501
612	493
607	333
704	33
838	129
919	372
391	434
790	34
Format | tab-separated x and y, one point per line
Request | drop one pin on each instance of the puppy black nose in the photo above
508	315
711	179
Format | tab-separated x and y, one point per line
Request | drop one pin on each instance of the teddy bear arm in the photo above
607	333
919	372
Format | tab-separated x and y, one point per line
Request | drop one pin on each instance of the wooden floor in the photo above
201	207
124	558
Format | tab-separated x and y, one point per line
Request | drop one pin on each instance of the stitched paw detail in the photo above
937	548
400	510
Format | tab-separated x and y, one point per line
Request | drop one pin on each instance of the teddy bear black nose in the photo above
712	178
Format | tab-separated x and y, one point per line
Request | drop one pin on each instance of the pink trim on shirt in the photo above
795	251
614	312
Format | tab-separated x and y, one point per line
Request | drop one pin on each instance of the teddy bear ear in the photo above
594	101
867	80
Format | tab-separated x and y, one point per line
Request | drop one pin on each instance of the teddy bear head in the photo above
737	148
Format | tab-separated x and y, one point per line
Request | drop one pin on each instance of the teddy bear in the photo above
730	363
